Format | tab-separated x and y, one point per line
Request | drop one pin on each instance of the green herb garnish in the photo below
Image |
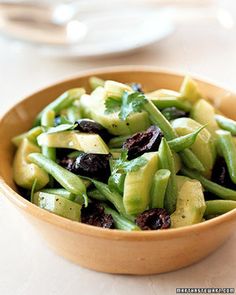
128	104
62	127
122	165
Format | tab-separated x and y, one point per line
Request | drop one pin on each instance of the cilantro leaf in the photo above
112	105
124	155
62	127
131	103
128	104
122	165
134	165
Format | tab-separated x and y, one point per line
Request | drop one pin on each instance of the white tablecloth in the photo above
27	266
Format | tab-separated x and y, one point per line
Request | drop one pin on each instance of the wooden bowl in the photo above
105	250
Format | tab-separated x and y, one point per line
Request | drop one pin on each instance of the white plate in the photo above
96	29
117	32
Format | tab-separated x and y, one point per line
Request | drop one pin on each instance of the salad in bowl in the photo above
121	157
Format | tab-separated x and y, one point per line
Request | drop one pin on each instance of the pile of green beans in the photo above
172	161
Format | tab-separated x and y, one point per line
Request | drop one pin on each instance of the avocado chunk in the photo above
88	143
95	82
164	93
24	172
203	147
138	184
204	113
116	89
31	135
93	107
58	205
189	89
190	205
163	98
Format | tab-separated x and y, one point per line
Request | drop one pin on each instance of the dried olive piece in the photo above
137	87
91	165
90	126
143	142
173	113
153	219
94	214
220	174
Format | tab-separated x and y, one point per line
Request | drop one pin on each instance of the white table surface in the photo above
27	266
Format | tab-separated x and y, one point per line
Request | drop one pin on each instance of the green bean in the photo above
217	207
116	182
226	124
117	142
62	102
218	190
120	221
172	102
73	113
67	179
191	160
158	189
95	194
63	193
180	143
48	118
167	162
59	191
178	162
228	149
47	121
112	197
33	190
95	82
31	135
156	117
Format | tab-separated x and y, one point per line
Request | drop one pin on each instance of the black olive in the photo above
173	113
137	87
94	215
92	165
143	142
209	196
62	153
90	126
153	219
220	174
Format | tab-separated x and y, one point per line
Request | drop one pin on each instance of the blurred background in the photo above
44	41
